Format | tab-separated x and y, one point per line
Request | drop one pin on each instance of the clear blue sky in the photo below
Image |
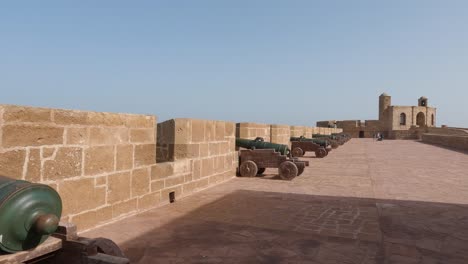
289	62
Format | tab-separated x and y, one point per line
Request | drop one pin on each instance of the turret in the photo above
385	101
422	101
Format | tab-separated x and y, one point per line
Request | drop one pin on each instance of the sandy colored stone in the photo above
172	181
214	149
149	201
157	185
80	195
182	131
198	130
108	135
207	167
105	119
202	183
33	173
48	152
119	186
184	151
126	207
124	157
182	166
77	136
204	150
12	163
31	135
145	155
100	181
99	159
220	129
92	218
140	182
189	187
162	170
67	163
70	117
140	121
219	164
210	130
196	169
26	114
229	129
142	135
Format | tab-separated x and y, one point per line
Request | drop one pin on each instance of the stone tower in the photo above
385	101
422	101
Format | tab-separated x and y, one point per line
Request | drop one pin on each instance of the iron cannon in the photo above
260	143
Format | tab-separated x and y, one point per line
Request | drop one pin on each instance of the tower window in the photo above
403	119
432	120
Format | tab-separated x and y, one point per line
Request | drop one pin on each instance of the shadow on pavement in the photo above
271	227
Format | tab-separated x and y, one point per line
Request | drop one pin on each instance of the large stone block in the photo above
12	163
119	187
198	130
142	135
207	167
76	136
90	219
26	114
140	182
210	130
183	131
80	195
108	136
31	135
145	154
124	159
149	201
214	149
126	207
70	117
99	160
66	163
157	185
229	129
33	172
162	170
204	150
220	127
184	151
105	119
175	180
140	121
196	169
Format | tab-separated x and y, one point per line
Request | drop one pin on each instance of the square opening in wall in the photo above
172	197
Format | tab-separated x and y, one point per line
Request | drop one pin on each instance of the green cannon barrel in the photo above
320	141
29	213
259	143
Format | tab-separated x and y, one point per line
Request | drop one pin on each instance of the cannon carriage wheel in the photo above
297	152
287	170
248	169
321	153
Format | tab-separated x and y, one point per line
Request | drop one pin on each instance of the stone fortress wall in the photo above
107	166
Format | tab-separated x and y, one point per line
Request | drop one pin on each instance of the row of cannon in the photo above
255	156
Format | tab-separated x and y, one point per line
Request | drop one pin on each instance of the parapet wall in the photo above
451	141
280	134
253	130
104	164
100	163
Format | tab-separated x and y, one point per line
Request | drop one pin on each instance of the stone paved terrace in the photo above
367	202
